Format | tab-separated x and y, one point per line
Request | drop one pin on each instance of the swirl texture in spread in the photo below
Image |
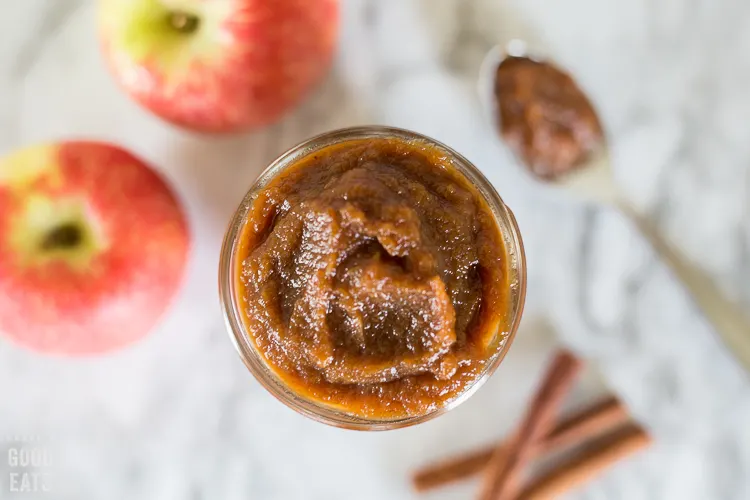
374	278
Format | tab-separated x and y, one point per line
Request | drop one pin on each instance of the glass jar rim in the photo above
233	314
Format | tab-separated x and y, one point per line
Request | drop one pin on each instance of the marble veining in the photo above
178	416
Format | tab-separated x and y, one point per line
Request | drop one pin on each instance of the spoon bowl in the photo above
592	181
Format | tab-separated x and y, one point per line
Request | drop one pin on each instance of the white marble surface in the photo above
178	417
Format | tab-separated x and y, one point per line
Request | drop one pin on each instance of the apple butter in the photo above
545	117
374	278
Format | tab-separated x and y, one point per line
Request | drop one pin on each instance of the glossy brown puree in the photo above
545	117
374	278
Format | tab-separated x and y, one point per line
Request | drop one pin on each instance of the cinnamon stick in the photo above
588	423
501	474
578	427
588	465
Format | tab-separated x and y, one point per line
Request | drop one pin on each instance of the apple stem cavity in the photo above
62	237
184	22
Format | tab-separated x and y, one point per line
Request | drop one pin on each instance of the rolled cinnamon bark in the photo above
588	465
501	481
588	423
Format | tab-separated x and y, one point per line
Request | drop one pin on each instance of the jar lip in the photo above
233	315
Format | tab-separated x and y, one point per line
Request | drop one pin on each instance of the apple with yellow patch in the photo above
218	65
93	246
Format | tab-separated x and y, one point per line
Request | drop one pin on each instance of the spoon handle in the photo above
727	318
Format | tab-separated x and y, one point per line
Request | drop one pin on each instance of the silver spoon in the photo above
595	182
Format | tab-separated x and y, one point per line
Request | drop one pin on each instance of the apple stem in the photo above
184	22
62	237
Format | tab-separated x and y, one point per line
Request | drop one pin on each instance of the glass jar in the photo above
231	302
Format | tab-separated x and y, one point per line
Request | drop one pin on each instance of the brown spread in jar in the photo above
374	278
545	117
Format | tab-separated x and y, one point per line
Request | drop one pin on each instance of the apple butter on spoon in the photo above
551	126
545	117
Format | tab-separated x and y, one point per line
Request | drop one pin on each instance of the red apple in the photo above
218	65
93	245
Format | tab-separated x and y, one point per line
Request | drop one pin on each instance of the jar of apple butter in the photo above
372	278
